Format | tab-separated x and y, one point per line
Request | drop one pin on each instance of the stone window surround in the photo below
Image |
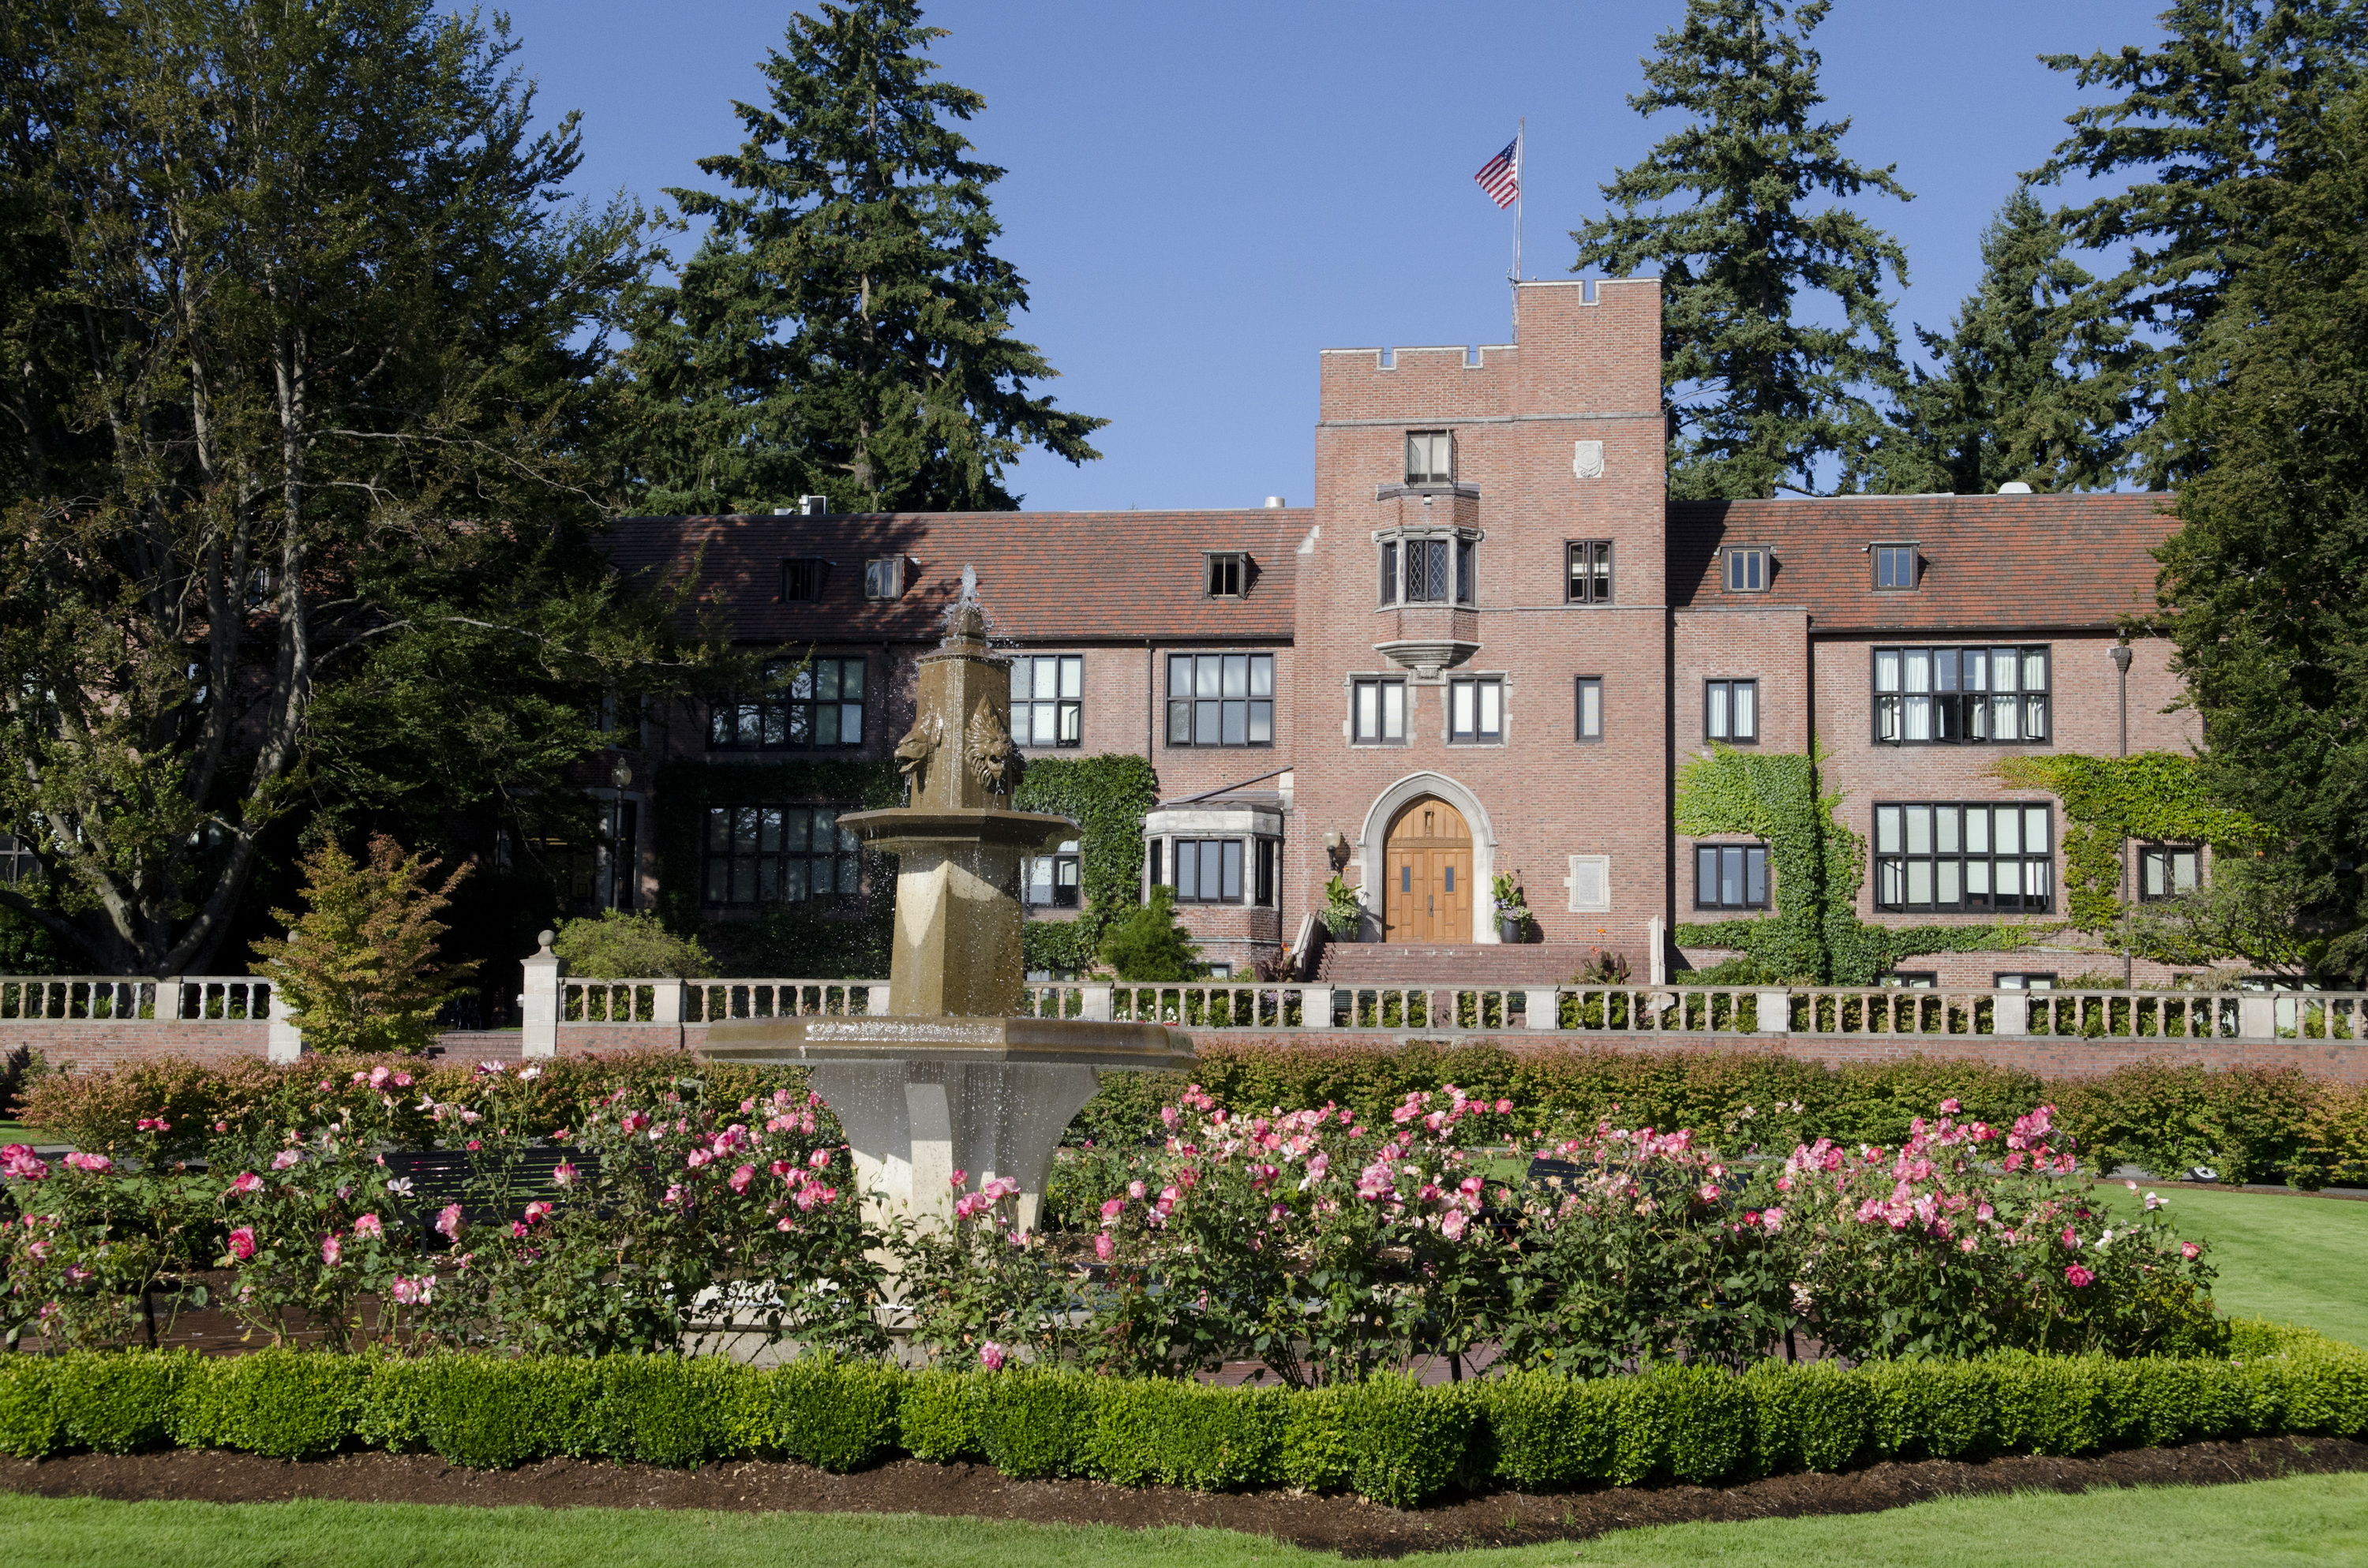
1367	849
1163	826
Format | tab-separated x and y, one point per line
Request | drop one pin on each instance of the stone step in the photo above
1476	963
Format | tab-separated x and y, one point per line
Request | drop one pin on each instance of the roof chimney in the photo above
1274	501
814	506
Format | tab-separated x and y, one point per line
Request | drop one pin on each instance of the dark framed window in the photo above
1588	569
2166	870
1377	712
1590	707
1959	696
1430	457
1426	571
1267	853
1912	979
1048	699
884	578
1051	881
1389	571
1475	711
1747	570
1429	569
1208	870
1948	855
1894	566
820	706
1731	711
1228	572
2022	980
617	869
1221	699
760	855
16	862
803	577
1730	875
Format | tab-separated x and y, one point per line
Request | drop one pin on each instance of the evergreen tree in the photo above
844	328
1756	396
2265	583
2027	386
2209	127
300	335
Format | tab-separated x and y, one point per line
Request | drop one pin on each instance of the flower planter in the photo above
1509	927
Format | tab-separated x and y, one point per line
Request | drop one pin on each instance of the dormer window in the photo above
1228	573
1430	457
801	578
1747	569
884	578
1894	566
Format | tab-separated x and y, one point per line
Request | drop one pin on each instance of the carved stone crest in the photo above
992	753
913	753
1587	459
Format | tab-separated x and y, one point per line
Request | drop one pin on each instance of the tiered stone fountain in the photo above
952	1079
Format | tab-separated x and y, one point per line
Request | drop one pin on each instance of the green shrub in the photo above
1544	1433
834	1415
32	1425
1806	1417
119	1403
1387	1439
487	1412
288	1404
1034	1423
1154	1431
669	1410
937	1416
614	944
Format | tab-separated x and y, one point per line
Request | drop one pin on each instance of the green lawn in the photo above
2271	1524
2284	1257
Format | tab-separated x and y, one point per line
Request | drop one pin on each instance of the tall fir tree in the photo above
844	328
2028	385
1757	396
2207	130
2264	585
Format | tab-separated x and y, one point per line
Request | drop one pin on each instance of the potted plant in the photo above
1344	915
1512	910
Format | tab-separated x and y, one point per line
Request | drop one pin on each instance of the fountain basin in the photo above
923	1097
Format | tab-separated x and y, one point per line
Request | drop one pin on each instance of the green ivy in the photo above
824	941
2155	796
1818	863
1107	797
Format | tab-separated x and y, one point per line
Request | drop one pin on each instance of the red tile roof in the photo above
1986	561
1041	575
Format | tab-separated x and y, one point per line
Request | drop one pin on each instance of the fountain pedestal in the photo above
952	1080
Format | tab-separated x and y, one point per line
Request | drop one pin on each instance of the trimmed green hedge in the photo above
1389	1439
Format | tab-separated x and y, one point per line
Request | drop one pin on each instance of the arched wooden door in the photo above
1426	890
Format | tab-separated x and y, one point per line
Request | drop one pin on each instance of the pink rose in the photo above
91	1162
247	1182
448	1221
330	1249
1950	1108
2070	1238
564	1175
242	1242
369	1225
2190	1251
537	1212
741	1178
155	1124
285	1158
1103	1245
2078	1278
990	1355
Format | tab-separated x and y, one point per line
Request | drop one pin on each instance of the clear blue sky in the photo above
1201	195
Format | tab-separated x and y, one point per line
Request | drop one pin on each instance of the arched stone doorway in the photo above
1428	874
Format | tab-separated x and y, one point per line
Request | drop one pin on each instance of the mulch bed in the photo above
1344	1525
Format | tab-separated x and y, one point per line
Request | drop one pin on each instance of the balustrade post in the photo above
1094	1003
2010	1013
283	1041
1315	1006
1775	1009
167	1006
875	1000
1542	1010
539	1002
2257	1018
665	1002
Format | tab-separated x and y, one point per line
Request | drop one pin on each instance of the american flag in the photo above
1500	176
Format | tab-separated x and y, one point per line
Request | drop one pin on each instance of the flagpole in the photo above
1521	148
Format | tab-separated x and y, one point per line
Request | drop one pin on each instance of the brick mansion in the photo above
1485	650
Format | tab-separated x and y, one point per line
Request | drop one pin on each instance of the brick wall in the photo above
76	1047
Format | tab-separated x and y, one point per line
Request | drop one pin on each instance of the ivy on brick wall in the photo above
1107	796
1819	865
821	940
2154	796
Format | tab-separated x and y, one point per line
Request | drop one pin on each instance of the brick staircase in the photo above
1527	963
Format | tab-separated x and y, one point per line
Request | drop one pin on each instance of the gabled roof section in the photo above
1984	560
1042	575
